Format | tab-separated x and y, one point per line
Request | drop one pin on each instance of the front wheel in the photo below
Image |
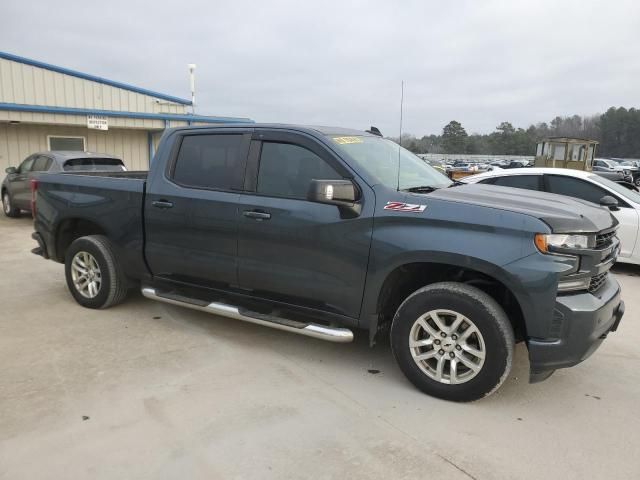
94	276
637	181
7	206
453	341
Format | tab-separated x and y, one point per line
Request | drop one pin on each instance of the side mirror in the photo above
341	193
609	202
11	170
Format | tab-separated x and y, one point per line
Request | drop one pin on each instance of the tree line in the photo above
617	130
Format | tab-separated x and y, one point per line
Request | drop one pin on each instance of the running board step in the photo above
323	332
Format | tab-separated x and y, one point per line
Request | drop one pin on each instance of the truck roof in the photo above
313	129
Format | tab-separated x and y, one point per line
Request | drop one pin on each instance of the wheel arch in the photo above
402	279
69	229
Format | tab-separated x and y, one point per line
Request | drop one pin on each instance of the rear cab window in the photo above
94	164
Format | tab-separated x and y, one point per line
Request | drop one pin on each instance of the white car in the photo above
584	185
608	165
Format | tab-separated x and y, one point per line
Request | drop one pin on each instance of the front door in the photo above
190	208
18	184
294	250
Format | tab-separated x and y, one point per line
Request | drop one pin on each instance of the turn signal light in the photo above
540	241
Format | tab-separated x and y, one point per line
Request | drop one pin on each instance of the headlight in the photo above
555	240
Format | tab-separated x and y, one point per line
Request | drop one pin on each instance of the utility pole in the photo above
192	83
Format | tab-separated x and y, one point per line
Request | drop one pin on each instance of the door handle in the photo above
256	215
162	204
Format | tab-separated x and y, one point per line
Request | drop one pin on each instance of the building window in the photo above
56	143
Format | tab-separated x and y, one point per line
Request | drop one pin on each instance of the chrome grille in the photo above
597	281
605	239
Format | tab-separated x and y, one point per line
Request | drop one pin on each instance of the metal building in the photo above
46	107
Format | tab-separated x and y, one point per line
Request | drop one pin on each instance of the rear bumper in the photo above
41	249
582	322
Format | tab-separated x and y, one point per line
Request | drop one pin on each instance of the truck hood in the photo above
563	214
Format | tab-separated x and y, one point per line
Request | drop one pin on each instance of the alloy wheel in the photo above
447	346
86	274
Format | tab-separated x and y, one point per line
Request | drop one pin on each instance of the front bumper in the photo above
581	322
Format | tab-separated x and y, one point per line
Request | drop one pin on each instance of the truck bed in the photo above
112	200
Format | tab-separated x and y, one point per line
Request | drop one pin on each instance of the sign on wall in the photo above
97	122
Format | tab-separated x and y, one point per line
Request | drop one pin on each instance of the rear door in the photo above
293	250
191	208
18	184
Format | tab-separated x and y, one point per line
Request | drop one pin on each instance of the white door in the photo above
628	229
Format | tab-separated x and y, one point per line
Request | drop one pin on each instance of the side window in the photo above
286	170
529	182
575	187
26	165
208	161
41	164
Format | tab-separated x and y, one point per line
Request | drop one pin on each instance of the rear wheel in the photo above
7	206
94	276
453	341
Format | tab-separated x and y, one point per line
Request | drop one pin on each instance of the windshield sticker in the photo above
346	140
405	207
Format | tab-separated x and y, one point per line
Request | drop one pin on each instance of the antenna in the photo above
400	139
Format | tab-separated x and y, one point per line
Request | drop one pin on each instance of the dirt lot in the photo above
146	390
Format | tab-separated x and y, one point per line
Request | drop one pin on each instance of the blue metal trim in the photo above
18	107
93	78
150	144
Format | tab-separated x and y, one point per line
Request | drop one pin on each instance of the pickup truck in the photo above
322	231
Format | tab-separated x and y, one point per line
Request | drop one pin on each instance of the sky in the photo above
342	63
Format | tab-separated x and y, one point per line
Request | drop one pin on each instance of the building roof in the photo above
93	78
187	117
569	140
72	110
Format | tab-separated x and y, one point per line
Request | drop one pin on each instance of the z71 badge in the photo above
405	207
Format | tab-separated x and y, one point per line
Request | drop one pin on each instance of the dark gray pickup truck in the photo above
320	231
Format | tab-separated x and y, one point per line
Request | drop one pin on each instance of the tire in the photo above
469	375
637	181
7	206
94	254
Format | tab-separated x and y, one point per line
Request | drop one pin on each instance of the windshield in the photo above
624	192
94	164
379	158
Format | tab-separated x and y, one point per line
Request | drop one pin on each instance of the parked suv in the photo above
16	195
